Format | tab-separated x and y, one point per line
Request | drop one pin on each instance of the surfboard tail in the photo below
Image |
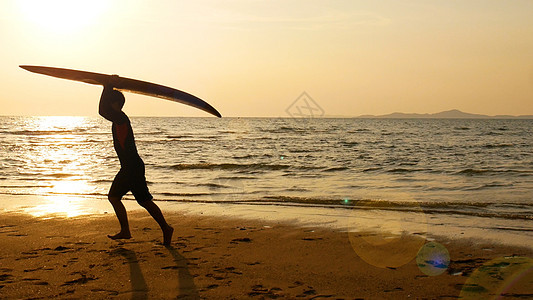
164	92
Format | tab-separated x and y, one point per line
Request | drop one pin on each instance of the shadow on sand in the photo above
186	287
138	284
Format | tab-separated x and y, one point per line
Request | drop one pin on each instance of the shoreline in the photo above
222	258
454	227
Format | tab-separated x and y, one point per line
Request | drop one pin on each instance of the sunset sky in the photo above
255	57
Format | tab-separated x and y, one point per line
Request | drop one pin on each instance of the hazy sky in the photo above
255	57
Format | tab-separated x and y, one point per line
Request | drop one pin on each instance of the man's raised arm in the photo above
104	108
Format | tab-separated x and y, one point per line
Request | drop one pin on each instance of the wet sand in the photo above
226	258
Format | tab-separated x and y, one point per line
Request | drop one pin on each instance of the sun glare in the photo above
66	200
57	123
62	16
59	206
63	166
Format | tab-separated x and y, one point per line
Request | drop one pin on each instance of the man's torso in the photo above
124	143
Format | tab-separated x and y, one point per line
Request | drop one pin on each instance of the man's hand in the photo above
112	81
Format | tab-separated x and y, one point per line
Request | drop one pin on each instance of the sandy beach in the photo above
298	149
227	258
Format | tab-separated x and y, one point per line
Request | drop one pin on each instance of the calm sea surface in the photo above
461	167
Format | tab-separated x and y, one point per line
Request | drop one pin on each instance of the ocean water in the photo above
478	168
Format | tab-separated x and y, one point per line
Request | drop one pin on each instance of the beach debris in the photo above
241	240
396	289
312	239
61	248
82	280
172	267
5	277
259	290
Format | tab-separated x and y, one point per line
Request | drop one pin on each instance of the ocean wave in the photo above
181	136
371	169
492	133
102	181
247	156
302	150
512	228
296	189
229	167
47	132
511	211
182	195
404	170
474	172
40	193
235	177
493	146
6	163
408	164
26	186
93	194
211	185
285	129
335	169
475	209
60	175
350	144
360	130
488	186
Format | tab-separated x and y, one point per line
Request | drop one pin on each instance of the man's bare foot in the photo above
167	235
120	236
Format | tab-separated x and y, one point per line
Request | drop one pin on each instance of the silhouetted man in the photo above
131	175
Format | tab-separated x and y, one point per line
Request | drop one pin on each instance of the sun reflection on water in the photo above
56	123
61	163
62	206
66	198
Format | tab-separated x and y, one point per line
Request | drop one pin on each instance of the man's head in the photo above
117	100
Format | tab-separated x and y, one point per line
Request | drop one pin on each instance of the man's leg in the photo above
156	213
122	216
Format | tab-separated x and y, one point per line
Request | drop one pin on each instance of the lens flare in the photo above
387	238
433	259
500	277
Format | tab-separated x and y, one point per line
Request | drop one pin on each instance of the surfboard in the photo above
127	85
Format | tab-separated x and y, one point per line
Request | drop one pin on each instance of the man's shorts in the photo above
130	180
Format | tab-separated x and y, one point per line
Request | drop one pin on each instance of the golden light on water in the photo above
60	156
70	187
63	165
65	199
61	206
56	122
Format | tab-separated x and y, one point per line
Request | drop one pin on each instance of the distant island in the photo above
449	114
